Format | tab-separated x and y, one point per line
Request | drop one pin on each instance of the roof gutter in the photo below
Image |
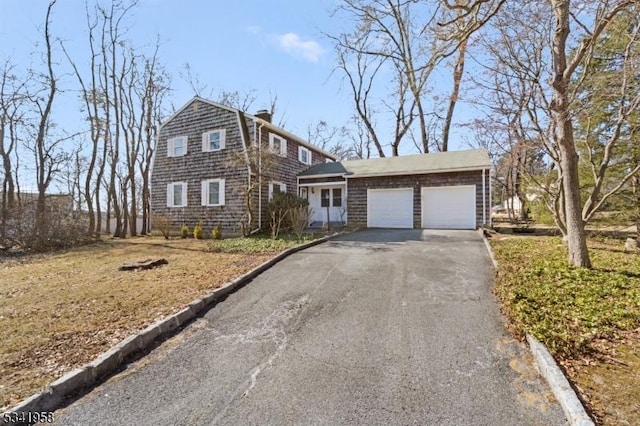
291	136
413	172
326	175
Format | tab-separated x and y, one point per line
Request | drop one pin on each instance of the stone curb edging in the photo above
562	390
548	368
108	362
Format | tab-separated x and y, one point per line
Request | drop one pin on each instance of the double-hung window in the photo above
213	192
213	140
276	187
177	147
277	145
177	194
304	155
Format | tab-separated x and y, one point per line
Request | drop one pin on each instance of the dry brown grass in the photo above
60	311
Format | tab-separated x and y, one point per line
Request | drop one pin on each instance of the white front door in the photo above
390	208
451	207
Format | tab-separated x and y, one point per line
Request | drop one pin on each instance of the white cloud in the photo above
308	50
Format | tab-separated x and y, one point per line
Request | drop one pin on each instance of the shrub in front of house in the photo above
279	211
216	232
197	231
184	231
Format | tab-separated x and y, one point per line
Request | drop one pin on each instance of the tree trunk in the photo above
563	132
458	70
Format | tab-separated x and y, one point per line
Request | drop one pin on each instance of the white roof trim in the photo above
323	184
416	172
198	98
267	124
321	176
293	137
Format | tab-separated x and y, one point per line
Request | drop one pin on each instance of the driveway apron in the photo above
376	327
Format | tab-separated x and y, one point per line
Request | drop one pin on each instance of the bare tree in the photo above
360	75
12	97
47	155
413	38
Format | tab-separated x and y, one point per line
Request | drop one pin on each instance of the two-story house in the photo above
198	175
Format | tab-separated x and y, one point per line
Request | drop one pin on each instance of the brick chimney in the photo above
264	115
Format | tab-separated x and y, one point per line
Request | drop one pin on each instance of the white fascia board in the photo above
414	172
293	137
326	175
203	100
322	184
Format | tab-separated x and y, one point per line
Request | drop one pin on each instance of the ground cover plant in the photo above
588	318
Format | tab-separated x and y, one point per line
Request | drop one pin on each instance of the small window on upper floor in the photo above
304	155
177	147
277	145
213	140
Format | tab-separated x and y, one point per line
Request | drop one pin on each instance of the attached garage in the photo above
451	207
390	208
450	190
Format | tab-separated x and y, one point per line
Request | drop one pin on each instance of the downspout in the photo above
245	136
484	199
490	199
259	142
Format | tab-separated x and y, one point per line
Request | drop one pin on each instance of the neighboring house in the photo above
196	176
515	204
439	190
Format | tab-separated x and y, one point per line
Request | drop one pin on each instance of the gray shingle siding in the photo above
195	166
357	192
286	169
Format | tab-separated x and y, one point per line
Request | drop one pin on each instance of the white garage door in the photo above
451	207
390	208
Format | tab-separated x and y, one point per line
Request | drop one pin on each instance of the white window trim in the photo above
170	146
205	140
205	192
302	149
272	183
170	194
283	144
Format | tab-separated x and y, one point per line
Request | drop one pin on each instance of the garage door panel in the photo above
452	207
390	208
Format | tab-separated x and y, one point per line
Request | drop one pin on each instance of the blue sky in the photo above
274	47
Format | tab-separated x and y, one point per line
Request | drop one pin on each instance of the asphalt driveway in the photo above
377	327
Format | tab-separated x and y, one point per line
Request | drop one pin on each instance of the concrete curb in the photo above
486	243
547	366
564	393
108	362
